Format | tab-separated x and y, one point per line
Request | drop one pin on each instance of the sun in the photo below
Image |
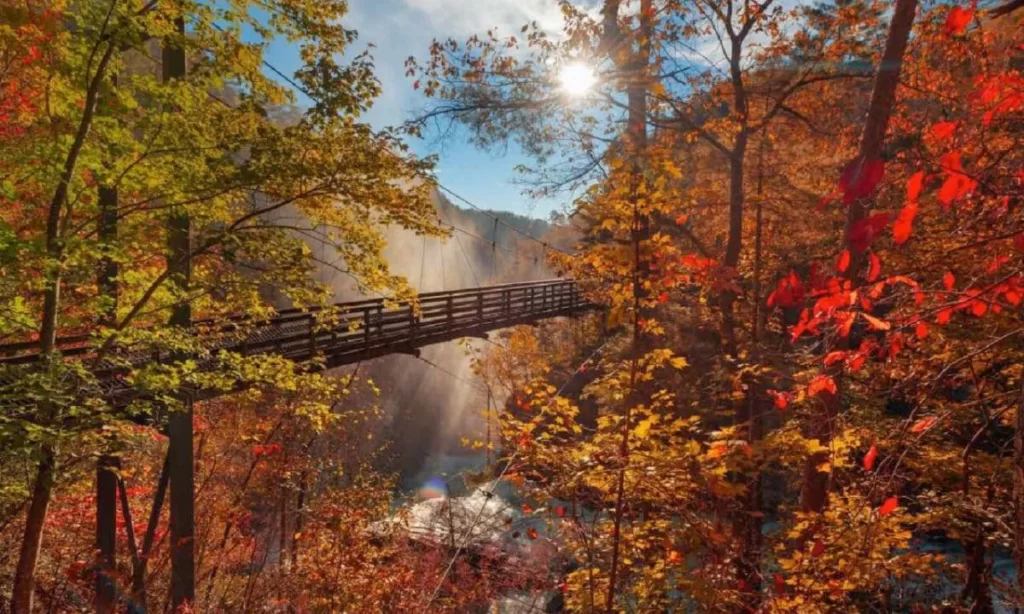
577	78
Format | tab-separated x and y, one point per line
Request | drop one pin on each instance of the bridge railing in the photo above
369	326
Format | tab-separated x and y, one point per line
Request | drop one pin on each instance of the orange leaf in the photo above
681	219
923	424
717	450
532	533
844	261
869	458
822	383
527	508
904	223
948	280
663	297
921	330
889	506
833	357
874	268
875	322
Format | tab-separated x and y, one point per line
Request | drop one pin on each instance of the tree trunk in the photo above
46	474
1018	493
635	69
814	494
106	533
181	459
139	571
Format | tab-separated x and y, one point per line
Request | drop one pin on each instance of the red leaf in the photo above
527	508
904	223
889	506
958	19
818	549
663	297
943	130
1018	242
979	308
822	383
532	533
914	185
780	583
874	268
844	261
560	511
869	458
944	316
833	357
781	399
948	280
864	232
923	424
860	178
921	330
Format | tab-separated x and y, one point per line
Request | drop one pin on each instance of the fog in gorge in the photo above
428	412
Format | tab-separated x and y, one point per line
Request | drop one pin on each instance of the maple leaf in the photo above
869	458
923	424
958	19
833	357
914	185
889	506
844	261
860	178
818	549
781	399
875	323
864	231
904	223
943	130
874	267
821	383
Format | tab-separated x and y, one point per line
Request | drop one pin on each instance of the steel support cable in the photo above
488	494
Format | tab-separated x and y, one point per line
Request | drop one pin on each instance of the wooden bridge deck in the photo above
358	330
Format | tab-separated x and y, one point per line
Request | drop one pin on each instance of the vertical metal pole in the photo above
181	462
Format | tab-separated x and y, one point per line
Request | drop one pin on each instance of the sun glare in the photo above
577	79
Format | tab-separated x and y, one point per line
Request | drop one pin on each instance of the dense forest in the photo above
769	357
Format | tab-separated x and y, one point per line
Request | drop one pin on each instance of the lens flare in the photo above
433	489
577	78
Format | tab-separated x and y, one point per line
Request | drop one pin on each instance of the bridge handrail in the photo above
429	302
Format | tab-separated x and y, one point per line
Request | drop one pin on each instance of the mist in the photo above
427	410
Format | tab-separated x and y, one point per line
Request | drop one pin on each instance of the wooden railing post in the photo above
312	335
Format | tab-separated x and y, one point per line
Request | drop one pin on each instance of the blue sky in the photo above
403	28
